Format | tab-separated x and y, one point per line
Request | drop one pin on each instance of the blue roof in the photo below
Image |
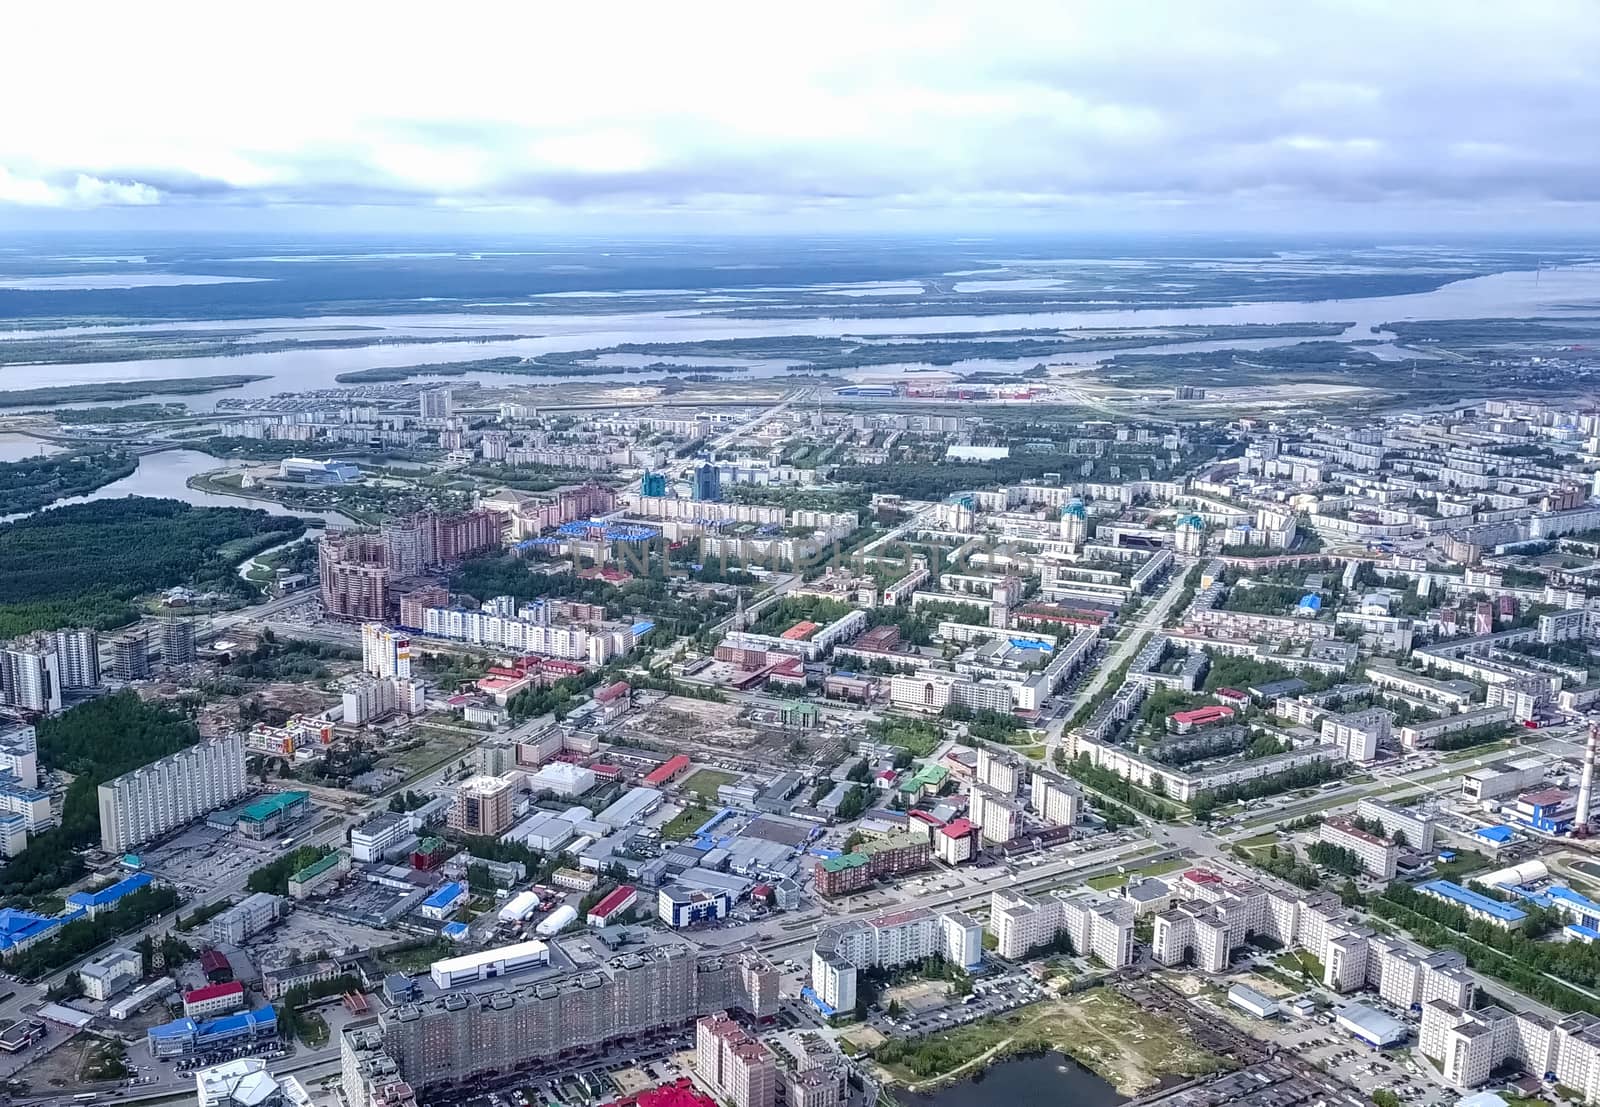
454	931
1027	644
1495	833
1576	899
642	628
111	894
178	1028
1587	932
263	1018
17	926
445	896
1449	890
1311	602
810	996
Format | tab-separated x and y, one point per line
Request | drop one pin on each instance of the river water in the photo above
1045	1078
1516	294
165	475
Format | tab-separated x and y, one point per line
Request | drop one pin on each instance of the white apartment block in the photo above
164	795
1378	856
1468	1045
1055	800
385	652
998	817
19	754
1359	733
886	941
1417	827
963	939
1101	926
1000	771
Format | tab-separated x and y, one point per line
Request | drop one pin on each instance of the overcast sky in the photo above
1058	115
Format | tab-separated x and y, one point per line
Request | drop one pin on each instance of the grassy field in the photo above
706	782
684	823
1131	1048
1116	880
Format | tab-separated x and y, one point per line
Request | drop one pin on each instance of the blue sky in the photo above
837	117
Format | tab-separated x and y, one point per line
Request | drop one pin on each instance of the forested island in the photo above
111	391
29	484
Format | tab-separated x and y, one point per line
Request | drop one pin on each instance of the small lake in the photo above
165	475
1040	1078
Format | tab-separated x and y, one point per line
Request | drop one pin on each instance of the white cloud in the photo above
1027	105
84	192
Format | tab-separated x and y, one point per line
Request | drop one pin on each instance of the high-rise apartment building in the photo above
164	795
78	653
1056	800
706	482
30	675
385	652
19	754
739	1069
354	576
482	806
435	403
177	642
451	1038
130	655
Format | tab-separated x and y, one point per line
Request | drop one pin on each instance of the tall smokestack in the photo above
1580	818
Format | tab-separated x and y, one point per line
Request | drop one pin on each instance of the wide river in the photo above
165	475
1513	294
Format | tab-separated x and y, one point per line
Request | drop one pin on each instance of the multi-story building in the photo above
884	942
997	816
177	641
1378	856
379	834
369	699
385	652
679	905
435	403
107	974
213	999
482	806
998	770
165	794
448	1040
1470	1044
130	655
30	675
246	918
78	653
323	873
1358	734
1097	925
854	871
19	754
963	939
1414	826
1055	800
354	574
737	1068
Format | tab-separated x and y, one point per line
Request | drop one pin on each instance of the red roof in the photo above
1544	798
680	1094
1202	876
1213	713
956	828
600	768
800	631
614	901
214	991
1231	693
667	770
887	774
612	691
930	819
213	960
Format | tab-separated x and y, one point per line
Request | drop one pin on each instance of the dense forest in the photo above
93	742
29	484
84	564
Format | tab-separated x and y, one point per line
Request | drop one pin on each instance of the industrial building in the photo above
489	964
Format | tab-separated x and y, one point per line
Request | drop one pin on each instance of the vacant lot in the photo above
706	782
1130	1047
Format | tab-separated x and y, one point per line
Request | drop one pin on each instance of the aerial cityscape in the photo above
916	560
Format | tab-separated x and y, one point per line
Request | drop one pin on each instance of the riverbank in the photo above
123	390
1132	1049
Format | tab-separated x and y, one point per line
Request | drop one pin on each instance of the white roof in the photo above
468	962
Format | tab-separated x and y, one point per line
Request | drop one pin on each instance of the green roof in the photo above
843	861
933	775
317	867
430	845
277	803
893	841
